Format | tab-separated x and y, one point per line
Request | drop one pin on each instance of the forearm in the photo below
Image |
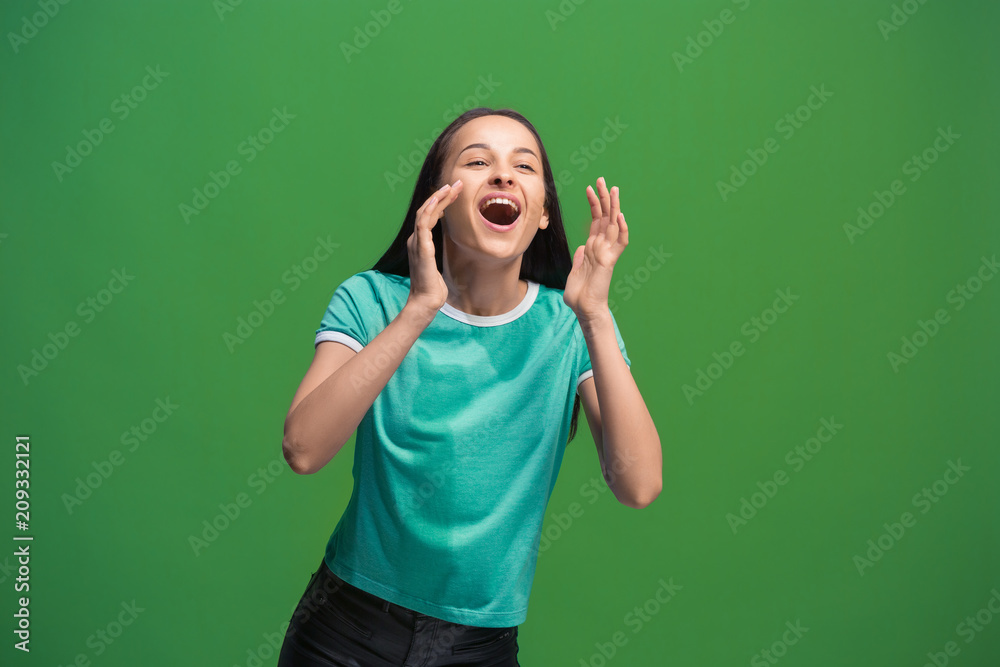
323	421
633	457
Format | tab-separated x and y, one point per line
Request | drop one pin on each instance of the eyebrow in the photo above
487	147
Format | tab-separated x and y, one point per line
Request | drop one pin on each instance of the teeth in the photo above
500	200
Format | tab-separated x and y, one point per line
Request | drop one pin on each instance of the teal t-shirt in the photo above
456	459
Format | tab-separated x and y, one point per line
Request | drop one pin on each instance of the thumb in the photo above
578	255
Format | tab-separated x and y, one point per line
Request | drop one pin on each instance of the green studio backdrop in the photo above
809	298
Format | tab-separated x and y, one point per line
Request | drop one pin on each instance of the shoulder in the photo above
561	317
552	298
370	277
375	283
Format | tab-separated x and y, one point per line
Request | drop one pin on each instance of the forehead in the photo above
502	134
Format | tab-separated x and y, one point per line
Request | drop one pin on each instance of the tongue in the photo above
499	214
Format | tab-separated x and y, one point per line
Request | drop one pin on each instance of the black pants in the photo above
336	624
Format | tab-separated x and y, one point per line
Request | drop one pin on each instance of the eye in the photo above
475	162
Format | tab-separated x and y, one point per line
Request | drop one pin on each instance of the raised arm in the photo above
628	445
341	384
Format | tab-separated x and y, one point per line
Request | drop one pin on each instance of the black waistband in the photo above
362	596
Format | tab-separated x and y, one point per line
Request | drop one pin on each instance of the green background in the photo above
570	69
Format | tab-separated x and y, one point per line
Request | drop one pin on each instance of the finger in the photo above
595	210
623	239
615	207
612	231
425	222
421	216
444	200
605	202
436	196
429	214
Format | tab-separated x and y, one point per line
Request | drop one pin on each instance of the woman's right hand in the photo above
427	286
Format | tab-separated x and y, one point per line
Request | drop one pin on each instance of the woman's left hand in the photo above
589	280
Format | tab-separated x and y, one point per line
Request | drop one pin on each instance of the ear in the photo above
543	222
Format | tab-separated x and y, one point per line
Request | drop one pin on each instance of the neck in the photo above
483	288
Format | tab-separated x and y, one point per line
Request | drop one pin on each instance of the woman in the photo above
461	358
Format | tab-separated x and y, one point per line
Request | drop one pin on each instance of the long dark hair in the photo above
546	261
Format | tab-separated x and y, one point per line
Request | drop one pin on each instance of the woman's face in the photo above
497	158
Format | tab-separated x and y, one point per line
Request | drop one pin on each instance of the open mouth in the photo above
500	211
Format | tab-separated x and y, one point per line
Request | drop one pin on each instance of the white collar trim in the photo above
494	320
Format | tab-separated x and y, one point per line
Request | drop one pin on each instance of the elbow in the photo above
648	500
295	458
641	500
644	495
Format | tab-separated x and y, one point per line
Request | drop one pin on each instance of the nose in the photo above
502	176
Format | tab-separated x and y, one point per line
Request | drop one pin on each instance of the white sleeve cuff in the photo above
590	373
338	337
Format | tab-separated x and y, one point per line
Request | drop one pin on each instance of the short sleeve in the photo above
353	309
586	369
